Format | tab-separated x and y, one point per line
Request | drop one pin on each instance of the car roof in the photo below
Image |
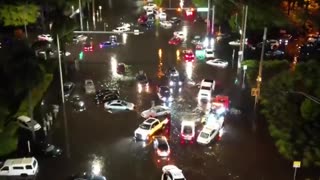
187	123
174	171
150	120
19	161
24	118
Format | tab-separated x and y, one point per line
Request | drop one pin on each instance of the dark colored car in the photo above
172	71
88	47
164	93
106	92
175	20
121	68
87	176
106	98
175	41
77	103
48	150
109	44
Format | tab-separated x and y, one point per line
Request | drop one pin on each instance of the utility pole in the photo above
25	24
93	14
80	12
243	35
60	69
208	16
259	78
212	20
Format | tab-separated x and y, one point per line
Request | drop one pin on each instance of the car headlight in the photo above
171	83
170	98
180	83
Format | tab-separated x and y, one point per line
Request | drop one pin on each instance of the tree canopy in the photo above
19	15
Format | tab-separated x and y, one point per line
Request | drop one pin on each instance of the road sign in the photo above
296	164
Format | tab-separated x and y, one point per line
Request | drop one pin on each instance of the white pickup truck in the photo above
149	127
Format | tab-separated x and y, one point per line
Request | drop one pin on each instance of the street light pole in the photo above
100	13
60	69
80	12
93	14
208	16
259	78
212	20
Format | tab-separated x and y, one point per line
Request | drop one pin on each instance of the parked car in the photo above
77	103
175	20
175	41
88	47
106	98
108	44
165	24
68	88
48	150
156	111
89	86
80	38
45	37
172	172
218	63
28	123
121	29
119	105
20	167
209	53
196	40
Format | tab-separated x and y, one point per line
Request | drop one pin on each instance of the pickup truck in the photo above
149	127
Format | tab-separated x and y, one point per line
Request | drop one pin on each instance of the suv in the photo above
187	131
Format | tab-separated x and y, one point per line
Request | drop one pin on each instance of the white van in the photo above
20	167
206	88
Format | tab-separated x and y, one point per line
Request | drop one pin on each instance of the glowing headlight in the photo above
170	98
180	83
171	83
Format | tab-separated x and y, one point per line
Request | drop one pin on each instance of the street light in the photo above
100	8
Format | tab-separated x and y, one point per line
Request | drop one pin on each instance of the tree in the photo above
19	15
293	120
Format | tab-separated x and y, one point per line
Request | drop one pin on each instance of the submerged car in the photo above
28	123
172	172
119	105
89	86
142	82
218	63
78	104
48	150
109	44
156	111
164	93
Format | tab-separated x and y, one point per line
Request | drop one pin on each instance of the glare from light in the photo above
185	32
206	42
212	43
181	4
160	53
139	88
124	38
178	55
96	166
221	132
189	70
114	64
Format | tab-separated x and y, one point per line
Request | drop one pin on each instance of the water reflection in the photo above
97	164
185	32
114	64
189	70
160	72
178	55
124	38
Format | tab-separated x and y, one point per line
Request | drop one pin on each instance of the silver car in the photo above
89	86
28	123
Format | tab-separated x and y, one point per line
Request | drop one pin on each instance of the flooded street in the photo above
100	139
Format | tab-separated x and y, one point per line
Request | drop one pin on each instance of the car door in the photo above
116	106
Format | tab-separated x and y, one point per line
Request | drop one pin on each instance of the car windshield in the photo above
142	77
204	135
187	130
174	78
124	103
165	91
163	147
145	126
66	87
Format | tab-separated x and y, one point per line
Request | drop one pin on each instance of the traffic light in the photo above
81	55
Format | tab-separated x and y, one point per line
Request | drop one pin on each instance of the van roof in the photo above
19	161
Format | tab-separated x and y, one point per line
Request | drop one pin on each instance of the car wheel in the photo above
23	175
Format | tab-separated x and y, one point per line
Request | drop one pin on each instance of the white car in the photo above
179	34
188	130
119	105
207	134
172	172
151	6
166	24
149	127
162	16
236	42
161	146
218	63
156	111
149	12
80	38
209	53
45	37
121	29
28	123
89	86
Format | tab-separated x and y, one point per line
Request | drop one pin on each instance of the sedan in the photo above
165	24
175	20
172	71
89	86
28	123
161	146
80	38
78	104
87	176
188	55
196	40
119	105
106	98
121	29
218	63
88	47
49	150
68	88
179	34
275	53
156	111
45	37
175	41
109	44
164	93
172	172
